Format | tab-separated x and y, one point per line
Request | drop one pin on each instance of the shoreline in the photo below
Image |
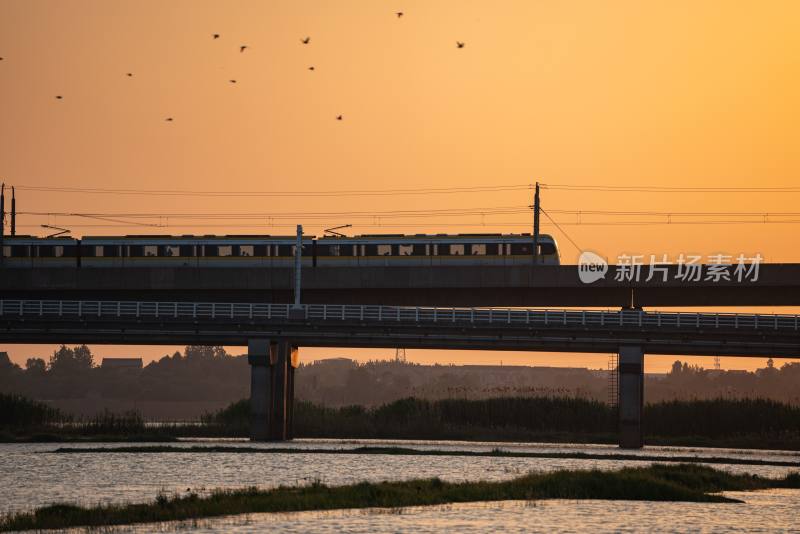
404	451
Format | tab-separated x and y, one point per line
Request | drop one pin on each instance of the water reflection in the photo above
763	511
32	476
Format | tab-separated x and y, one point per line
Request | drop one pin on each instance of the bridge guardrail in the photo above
405	314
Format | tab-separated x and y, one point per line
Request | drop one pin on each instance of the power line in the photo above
579	249
499	210
514	224
668	189
338	193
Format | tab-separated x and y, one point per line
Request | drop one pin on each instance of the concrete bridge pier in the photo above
272	366
631	396
258	356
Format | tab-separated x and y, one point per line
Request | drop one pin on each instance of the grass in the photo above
403	451
738	423
690	483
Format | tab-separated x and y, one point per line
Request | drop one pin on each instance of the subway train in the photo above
278	251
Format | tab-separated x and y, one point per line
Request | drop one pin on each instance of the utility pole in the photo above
298	252
13	213
536	207
2	210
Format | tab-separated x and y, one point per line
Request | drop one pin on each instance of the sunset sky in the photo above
606	94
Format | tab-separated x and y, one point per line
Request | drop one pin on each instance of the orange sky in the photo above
614	93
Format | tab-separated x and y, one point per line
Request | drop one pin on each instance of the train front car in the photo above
397	250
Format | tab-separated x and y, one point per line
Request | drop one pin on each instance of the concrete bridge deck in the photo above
273	332
558	330
513	285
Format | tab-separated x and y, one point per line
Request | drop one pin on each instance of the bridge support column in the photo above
282	391
258	356
272	368
631	396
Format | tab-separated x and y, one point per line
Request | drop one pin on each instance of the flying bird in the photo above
311	67
216	36
129	75
338	117
168	119
459	44
59	97
232	81
242	48
306	40
399	14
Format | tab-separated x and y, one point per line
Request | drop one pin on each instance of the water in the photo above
763	511
32	476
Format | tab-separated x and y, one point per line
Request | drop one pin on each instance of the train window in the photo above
69	251
246	250
150	250
384	250
169	251
285	250
369	250
135	251
303	250
405	250
6	251
329	250
521	249
50	251
109	251
98	251
547	249
224	250
186	251
260	250
457	249
478	249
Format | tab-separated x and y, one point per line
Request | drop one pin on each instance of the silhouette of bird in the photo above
1	59
338	117
311	67
216	36
399	14
168	119
242	48
129	75
306	40
232	81
459	44
59	97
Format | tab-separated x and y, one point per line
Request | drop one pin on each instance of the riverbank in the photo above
685	483
403	451
722	423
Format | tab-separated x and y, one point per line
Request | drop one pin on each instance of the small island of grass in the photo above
688	483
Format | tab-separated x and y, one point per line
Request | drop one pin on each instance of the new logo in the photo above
591	267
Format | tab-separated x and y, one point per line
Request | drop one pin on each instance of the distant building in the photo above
122	364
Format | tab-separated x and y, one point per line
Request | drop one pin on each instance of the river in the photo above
32	475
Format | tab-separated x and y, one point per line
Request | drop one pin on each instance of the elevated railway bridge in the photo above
273	333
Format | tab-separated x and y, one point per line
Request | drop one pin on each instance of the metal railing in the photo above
386	314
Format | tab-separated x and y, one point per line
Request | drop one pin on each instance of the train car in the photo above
276	251
433	250
33	252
